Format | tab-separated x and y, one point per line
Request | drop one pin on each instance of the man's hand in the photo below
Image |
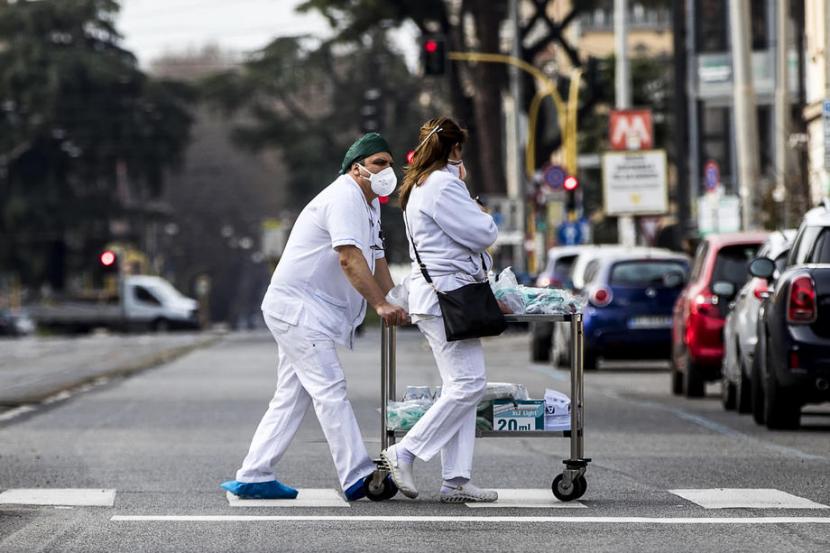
392	314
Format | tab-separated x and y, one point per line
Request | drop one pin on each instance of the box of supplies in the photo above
520	415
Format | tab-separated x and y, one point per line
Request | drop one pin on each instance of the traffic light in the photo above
372	110
433	55
570	184
108	260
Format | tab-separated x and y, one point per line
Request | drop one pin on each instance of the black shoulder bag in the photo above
470	311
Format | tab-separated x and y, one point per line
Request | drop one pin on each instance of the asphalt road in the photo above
165	438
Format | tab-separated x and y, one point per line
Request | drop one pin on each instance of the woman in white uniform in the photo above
452	233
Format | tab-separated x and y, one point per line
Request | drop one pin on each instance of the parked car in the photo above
15	322
556	274
740	331
142	301
719	270
630	296
793	349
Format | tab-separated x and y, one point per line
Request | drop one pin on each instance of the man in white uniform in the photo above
332	266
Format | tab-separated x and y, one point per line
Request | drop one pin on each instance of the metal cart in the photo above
569	485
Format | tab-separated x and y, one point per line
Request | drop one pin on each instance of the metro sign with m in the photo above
631	130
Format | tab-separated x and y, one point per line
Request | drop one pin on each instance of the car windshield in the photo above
165	290
642	273
732	262
564	265
821	253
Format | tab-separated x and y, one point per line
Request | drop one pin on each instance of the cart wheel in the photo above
386	490
571	492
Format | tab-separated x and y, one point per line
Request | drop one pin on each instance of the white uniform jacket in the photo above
451	232
309	277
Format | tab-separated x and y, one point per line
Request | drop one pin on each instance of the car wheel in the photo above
161	325
781	412
693	383
541	341
757	385
676	379
727	393
743	390
561	350
589	361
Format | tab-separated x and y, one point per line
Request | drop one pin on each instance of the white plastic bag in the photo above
399	295
506	289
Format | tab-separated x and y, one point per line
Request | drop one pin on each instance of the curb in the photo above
148	362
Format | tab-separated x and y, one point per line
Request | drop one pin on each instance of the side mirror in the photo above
762	267
724	289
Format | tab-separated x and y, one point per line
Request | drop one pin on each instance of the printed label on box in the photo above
518	415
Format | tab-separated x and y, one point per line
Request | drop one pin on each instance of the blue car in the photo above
630	299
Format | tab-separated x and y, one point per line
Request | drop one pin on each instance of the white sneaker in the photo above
401	473
469	493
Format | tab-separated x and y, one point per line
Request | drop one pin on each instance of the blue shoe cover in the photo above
260	490
357	490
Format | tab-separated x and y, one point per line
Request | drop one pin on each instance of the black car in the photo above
792	355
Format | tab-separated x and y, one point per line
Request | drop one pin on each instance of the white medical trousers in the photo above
309	372
449	426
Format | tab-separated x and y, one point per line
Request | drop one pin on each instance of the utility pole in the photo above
681	116
746	116
622	79
519	255
782	103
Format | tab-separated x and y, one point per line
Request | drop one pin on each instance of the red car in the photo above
719	271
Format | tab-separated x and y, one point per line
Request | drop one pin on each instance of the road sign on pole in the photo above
631	129
555	176
711	173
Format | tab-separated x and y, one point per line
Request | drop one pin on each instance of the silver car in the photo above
740	332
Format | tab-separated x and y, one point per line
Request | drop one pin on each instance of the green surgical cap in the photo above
366	145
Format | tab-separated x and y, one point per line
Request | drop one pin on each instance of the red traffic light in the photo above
431	46
107	258
571	183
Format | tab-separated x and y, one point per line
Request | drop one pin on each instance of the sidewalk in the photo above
33	369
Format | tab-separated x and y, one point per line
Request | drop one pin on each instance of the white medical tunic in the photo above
309	277
451	232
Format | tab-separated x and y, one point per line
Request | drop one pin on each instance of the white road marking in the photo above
16	412
308	497
740	498
528	498
55	496
470	519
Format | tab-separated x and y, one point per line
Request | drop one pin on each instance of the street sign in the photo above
569	233
631	130
635	183
825	115
555	176
711	173
718	213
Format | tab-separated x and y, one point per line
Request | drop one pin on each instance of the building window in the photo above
760	29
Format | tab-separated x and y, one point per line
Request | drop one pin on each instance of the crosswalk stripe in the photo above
746	498
307	497
74	497
527	498
471	519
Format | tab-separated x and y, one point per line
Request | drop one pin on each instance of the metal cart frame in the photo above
571	483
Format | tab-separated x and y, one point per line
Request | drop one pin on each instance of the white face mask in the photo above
384	182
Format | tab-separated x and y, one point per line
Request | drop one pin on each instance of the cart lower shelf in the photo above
511	434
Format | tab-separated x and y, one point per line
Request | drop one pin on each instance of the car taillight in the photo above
601	297
705	304
760	289
801	304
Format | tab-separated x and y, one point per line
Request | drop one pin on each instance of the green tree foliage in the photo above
305	101
84	134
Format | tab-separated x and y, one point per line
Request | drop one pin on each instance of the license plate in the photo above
650	322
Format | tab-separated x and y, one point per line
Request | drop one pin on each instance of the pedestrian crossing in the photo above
511	498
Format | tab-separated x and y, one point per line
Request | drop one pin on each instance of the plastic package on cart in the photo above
557	410
504	390
402	415
399	295
422	393
533	301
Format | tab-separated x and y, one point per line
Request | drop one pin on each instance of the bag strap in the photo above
418	256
